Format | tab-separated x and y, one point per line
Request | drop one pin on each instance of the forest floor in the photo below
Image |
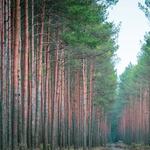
108	147
121	146
111	147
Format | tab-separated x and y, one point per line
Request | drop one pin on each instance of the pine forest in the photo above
58	82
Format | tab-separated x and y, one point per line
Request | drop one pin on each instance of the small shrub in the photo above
147	147
48	146
41	146
133	145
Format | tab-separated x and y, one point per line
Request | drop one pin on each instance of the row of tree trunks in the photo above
43	99
133	126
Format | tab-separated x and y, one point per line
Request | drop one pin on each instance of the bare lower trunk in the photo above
68	105
39	78
33	84
55	103
90	97
84	101
25	74
15	73
10	84
46	95
4	48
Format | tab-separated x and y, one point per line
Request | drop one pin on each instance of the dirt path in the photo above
113	147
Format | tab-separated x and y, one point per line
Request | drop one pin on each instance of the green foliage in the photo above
88	32
146	8
105	82
41	146
49	147
133	145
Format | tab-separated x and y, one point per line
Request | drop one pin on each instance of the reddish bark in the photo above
68	104
84	100
33	83
29	100
0	70
4	39
49	85
62	100
90	97
56	95
19	93
39	78
9	78
25	73
15	72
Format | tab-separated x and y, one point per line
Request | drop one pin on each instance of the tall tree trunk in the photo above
149	112
20	136
43	96
90	97
33	83
29	100
10	84
39	78
92	107
56	92
84	100
49	88
46	103
25	74
1	22
4	36
62	100
68	105
15	73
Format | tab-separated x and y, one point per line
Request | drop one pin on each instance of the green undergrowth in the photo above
141	146
133	146
121	145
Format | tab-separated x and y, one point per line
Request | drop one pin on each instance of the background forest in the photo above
134	96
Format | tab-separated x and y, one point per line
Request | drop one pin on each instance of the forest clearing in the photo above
58	82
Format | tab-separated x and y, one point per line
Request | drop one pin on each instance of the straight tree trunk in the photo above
149	112
9	78
84	100
80	111
4	36
62	100
46	94
1	21
20	136
90	97
49	88
43	97
39	78
56	92
15	73
25	74
33	83
29	101
92	107
68	105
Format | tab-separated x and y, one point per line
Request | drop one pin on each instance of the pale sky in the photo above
133	28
